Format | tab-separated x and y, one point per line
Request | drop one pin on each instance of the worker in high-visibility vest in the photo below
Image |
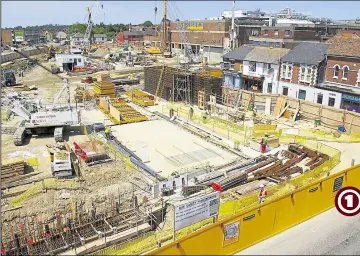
107	132
262	194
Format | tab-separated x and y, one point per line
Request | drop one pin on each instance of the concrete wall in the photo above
311	93
13	56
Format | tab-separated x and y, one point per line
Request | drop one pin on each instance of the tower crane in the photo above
86	43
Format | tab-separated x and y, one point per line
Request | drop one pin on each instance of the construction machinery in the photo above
51	52
46	120
8	78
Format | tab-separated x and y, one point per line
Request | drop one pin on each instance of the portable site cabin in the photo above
67	62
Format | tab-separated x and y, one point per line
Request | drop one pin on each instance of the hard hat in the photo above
262	185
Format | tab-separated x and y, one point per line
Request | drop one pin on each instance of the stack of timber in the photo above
104	87
125	113
141	98
11	168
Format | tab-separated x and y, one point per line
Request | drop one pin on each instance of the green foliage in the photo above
77	27
147	23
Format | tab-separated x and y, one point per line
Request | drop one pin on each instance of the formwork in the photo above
180	84
141	98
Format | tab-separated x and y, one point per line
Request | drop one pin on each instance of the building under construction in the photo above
174	84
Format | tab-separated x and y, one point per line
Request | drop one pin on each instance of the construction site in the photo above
109	159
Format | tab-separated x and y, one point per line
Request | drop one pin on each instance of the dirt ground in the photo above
95	184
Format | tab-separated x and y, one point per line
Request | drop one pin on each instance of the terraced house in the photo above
302	69
343	71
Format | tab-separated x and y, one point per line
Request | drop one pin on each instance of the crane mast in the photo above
165	34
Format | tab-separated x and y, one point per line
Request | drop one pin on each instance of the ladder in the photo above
160	86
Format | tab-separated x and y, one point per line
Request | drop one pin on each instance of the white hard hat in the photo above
262	185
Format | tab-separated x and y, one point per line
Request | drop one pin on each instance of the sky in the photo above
17	13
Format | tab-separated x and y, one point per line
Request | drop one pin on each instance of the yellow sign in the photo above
231	233
195	28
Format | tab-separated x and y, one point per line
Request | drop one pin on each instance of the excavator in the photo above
46	120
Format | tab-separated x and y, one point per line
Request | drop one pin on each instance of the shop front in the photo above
350	102
232	80
251	83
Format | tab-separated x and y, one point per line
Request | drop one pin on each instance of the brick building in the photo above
302	69
12	36
6	37
343	70
286	36
210	36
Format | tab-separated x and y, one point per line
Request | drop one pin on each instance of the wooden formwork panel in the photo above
115	113
104	104
352	122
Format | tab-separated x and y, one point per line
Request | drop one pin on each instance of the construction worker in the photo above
191	112
107	132
262	194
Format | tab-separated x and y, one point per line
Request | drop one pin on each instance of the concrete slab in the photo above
94	116
167	148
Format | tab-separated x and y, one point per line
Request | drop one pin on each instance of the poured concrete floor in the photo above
166	148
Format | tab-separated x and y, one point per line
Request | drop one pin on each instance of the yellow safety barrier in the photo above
265	220
330	136
225	128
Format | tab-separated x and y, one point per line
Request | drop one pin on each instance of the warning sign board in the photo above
231	233
196	210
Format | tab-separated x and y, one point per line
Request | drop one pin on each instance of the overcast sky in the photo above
28	13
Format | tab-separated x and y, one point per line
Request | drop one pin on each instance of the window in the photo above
266	32
269	88
255	33
174	184
331	102
252	66
264	43
183	181
305	74
232	65
302	95
267	66
277	44
302	74
308	75
285	91
256	42
219	26
271	43
276	32
336	71
288	73
358	77
319	99
79	60
102	38
287	33
345	73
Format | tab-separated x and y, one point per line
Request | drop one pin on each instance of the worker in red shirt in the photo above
262	194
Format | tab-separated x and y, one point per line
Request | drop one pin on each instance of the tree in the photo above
77	27
147	23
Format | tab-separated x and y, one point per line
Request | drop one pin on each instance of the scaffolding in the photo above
182	88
